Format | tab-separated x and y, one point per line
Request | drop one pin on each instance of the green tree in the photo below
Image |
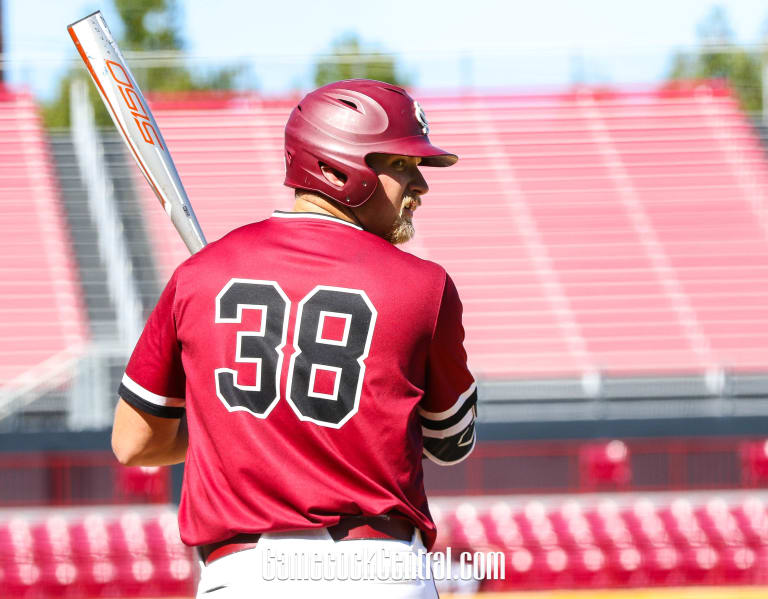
149	25
349	58
718	57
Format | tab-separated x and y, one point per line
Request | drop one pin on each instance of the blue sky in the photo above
442	44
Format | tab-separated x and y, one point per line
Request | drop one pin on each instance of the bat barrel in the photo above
135	123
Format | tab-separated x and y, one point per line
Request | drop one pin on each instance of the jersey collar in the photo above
314	216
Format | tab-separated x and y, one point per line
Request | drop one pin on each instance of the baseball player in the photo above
313	364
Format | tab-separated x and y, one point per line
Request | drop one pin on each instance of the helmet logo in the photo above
421	117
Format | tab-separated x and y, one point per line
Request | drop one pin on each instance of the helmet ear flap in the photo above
335	177
360	182
369	183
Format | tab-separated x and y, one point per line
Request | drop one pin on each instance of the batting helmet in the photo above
341	123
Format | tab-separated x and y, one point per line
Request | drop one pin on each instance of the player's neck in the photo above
308	202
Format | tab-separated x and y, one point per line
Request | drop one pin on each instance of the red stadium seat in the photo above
39	335
98	578
682	525
754	462
467	530
608	527
752	519
101	554
604	464
571	527
501	528
22	579
144	483
57	578
607	210
661	563
588	565
550	567
625	566
701	564
720	525
536	528
645	526
664	541
519	564
176	575
738	565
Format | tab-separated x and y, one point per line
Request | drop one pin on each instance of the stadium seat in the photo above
700	564
572	528
604	465
608	527
590	246
752	519
43	319
625	566
644	541
501	528
98	578
661	564
588	566
142	483
754	462
22	579
659	541
97	554
645	526
737	565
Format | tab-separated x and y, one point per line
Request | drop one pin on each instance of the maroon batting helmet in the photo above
341	123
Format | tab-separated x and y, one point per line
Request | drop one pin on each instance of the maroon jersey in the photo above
316	363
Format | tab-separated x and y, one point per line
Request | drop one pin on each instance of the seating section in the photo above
614	541
41	309
640	541
228	151
115	554
621	232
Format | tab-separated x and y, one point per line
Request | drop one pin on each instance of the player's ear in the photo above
333	176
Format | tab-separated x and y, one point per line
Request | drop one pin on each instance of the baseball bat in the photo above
135	123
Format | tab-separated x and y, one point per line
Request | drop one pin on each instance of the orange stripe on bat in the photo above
88	64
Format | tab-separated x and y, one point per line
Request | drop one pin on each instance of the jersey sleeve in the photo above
448	409
154	379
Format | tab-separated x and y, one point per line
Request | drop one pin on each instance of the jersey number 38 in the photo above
331	339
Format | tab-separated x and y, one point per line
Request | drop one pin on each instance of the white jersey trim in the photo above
432	458
469	417
315	216
453	409
154	398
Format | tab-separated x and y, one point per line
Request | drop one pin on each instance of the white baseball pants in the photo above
311	565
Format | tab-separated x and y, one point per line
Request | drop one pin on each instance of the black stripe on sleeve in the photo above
451	449
439	425
145	406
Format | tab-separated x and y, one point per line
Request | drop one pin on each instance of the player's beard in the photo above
403	229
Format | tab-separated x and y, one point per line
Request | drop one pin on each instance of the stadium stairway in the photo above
122	171
761	130
93	276
47	413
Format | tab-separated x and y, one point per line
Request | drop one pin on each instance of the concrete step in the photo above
122	170
92	273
